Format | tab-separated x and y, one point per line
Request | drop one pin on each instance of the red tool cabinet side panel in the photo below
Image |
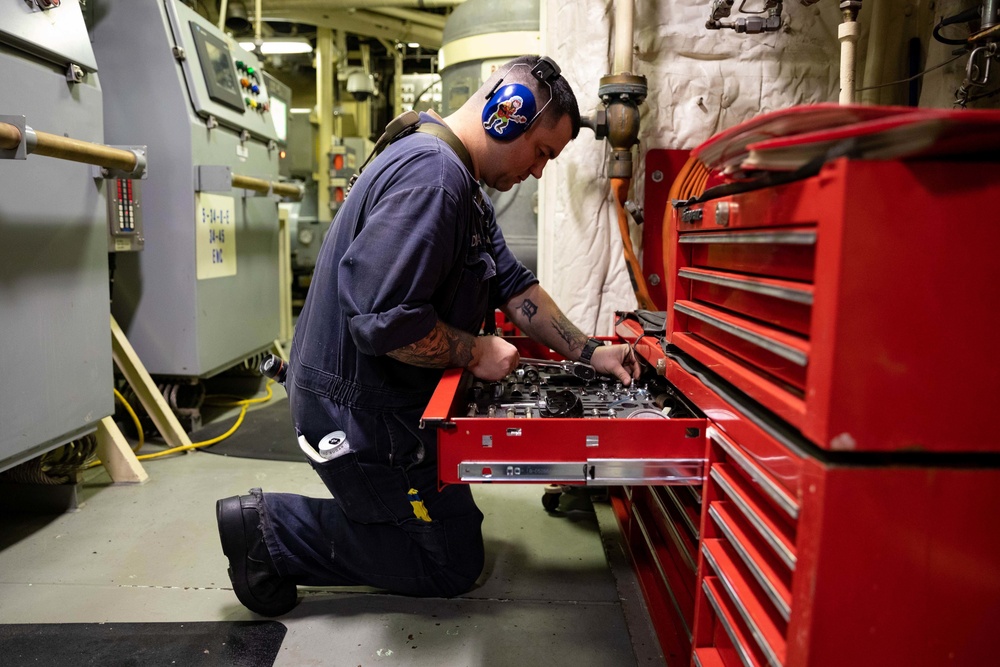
913	361
897	565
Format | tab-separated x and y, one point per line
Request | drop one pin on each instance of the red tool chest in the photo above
799	557
856	305
832	500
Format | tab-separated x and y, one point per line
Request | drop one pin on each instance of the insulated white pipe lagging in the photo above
848	35
623	36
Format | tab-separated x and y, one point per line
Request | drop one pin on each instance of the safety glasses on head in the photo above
511	109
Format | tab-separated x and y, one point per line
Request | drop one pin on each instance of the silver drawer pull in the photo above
675	536
792	294
659	568
797	357
688	521
741	650
779	547
780	497
787	238
772	594
758	636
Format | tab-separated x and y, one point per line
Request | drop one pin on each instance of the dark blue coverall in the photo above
412	244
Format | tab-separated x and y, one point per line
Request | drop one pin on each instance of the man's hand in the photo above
618	361
493	358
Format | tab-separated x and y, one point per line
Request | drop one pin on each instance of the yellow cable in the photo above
135	419
196	445
244	404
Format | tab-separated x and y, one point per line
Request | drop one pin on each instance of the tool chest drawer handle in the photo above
727	622
675	536
764	286
749	621
682	510
778	238
761	572
754	516
742	329
781	498
651	548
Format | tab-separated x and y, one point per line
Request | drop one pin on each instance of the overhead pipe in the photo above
423	18
847	33
363	23
258	12
358	4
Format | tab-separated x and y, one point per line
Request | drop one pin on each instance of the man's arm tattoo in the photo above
574	337
443	347
528	309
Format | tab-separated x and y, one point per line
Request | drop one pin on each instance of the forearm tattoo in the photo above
443	347
528	309
574	337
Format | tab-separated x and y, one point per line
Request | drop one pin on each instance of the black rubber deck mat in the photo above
266	433
205	644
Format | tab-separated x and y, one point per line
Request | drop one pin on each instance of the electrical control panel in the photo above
225	82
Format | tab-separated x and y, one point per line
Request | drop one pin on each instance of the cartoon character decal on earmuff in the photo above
509	112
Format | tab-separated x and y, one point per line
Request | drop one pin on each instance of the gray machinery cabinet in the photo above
203	295
56	365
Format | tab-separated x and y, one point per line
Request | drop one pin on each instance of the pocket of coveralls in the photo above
354	489
472	294
431	537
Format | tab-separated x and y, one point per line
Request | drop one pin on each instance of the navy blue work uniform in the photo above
414	243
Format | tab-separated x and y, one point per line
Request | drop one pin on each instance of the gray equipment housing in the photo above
56	368
203	294
517	209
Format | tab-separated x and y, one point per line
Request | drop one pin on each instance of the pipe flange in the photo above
624	86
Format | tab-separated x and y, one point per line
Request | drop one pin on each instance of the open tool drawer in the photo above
523	431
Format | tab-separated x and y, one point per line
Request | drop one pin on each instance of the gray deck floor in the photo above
150	553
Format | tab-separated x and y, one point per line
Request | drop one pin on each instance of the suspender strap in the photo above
403	125
447	136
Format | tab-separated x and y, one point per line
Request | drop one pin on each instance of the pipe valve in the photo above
622	94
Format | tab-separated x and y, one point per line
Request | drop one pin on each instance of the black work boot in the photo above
256	581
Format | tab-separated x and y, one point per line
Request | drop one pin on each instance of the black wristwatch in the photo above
588	349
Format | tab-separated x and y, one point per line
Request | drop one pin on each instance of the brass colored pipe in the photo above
260	185
10	137
74	150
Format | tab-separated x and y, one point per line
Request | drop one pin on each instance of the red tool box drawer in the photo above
854	305
503	432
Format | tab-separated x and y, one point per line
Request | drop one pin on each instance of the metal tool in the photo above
575	368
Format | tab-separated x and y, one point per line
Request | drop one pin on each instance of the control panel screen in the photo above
217	67
279	113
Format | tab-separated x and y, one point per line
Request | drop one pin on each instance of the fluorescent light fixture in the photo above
413	45
288	45
300	110
281	46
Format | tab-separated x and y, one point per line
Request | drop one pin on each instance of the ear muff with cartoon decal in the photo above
509	112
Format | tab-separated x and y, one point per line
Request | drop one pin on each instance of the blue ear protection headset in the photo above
512	109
